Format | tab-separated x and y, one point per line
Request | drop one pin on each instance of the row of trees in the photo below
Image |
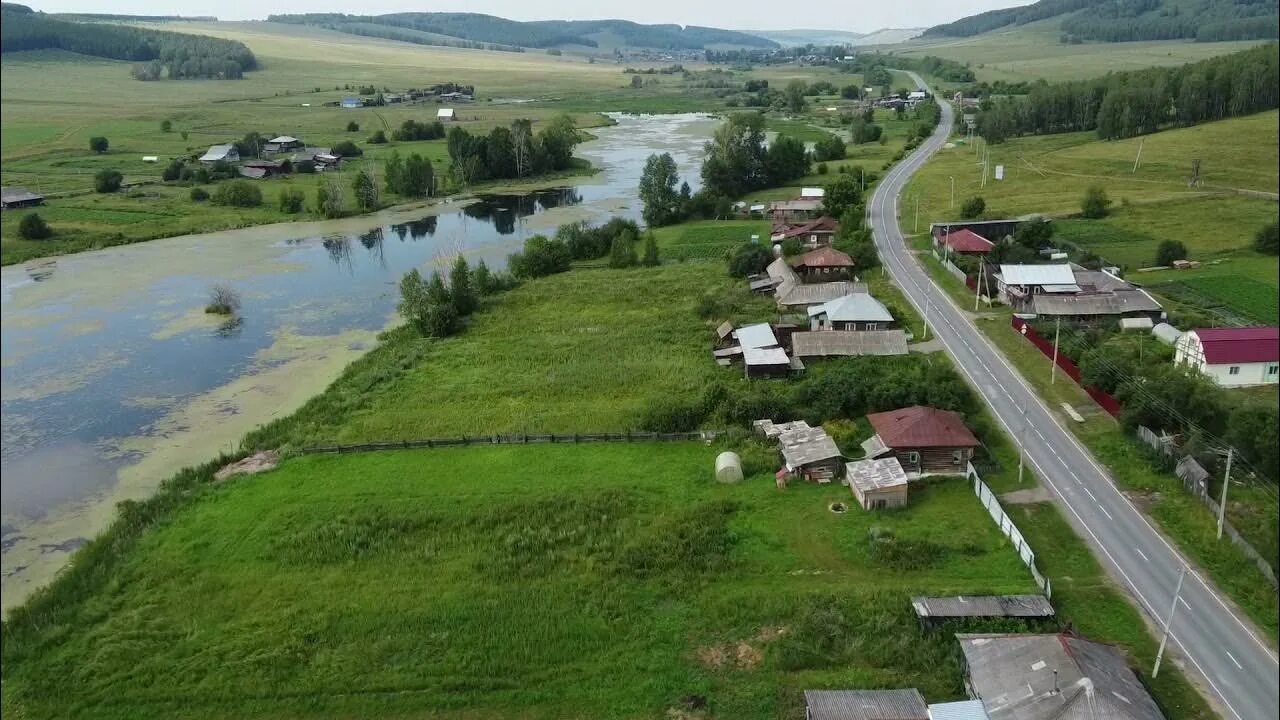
159	54
1125	104
409	177
618	239
512	152
435	308
738	160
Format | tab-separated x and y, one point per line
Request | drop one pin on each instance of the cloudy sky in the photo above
854	15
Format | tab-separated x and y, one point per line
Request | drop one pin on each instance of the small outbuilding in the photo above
933	611
1166	333
19	197
877	484
445	115
865	705
766	362
220	153
728	467
848	343
811	453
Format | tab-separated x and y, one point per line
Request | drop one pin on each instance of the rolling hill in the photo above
488	29
883	36
1131	20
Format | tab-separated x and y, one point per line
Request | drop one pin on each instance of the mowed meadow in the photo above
1216	221
566	581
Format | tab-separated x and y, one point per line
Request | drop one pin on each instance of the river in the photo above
114	377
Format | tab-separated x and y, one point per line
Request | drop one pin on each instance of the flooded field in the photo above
114	377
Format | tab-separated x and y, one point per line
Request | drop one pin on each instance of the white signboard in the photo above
999	172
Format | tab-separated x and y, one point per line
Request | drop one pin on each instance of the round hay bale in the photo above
728	467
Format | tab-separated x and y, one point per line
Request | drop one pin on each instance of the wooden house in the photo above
963	242
814	232
855	311
823	265
12	198
923	439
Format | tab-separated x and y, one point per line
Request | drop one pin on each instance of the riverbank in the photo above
156	211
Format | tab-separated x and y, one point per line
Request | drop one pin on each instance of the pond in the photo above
114	377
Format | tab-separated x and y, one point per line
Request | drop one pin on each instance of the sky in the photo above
852	15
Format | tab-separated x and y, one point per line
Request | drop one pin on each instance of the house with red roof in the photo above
963	242
923	439
814	232
1232	357
824	264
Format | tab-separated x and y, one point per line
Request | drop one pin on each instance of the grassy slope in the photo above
1049	174
433	584
1032	52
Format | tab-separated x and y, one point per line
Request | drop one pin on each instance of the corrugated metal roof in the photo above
918	427
1052	677
814	293
772	430
854	307
871	475
1112	303
962	710
765	356
759	335
807	445
848	343
824	257
217	152
285	139
18	194
1056	274
966	240
866	705
983	606
1239	345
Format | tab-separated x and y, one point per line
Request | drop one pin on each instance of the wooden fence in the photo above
1194	479
1011	531
1105	401
521	439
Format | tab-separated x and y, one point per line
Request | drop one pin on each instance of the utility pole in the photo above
1138	160
953	190
1053	369
1226	482
1182	573
862	172
928	300
977	286
1022	445
916	227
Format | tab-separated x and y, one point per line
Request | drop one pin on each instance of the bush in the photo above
107	181
223	301
33	227
829	148
1170	250
671	414
291	201
1267	241
166	125
973	208
540	257
198	194
306	167
353	126
346	148
173	171
792	247
98	144
1095	203
749	259
622	254
822	168
238	193
650	257
378	138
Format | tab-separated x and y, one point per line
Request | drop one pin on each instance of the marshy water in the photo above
114	377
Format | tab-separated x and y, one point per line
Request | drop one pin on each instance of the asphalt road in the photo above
1237	668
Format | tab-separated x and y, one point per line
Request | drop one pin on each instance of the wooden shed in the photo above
877	484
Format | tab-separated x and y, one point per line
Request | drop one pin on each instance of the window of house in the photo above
913	457
872	326
1233	370
957	457
1273	370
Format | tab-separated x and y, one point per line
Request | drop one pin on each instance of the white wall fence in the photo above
1011	531
951	267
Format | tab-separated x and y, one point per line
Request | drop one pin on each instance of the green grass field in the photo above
583	351
1049	175
543	581
1033	51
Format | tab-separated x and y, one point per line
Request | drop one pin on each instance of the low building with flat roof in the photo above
877	484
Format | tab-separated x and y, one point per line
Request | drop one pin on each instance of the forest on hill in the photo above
159	54
478	28
1130	20
1120	105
